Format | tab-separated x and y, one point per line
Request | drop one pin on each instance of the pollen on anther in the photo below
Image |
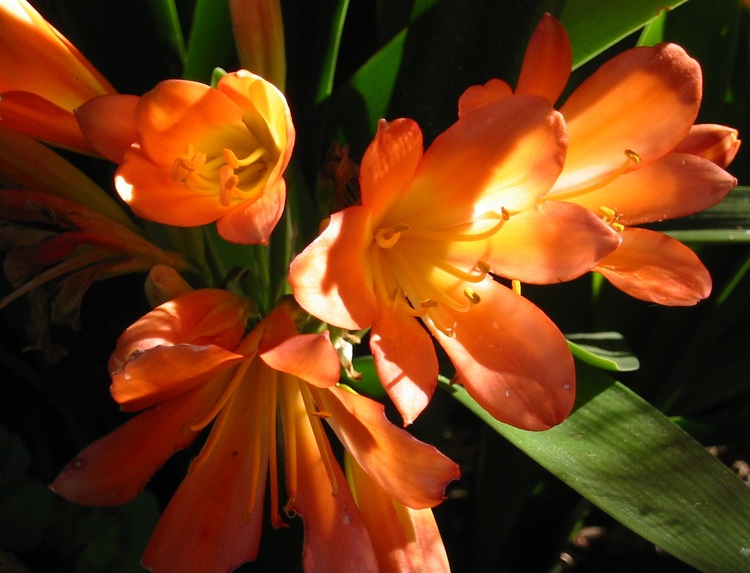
472	296
633	155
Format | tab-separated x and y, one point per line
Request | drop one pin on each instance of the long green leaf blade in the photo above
629	459
594	26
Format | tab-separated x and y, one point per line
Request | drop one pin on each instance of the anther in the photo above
504	212
388	237
321	414
472	296
633	155
516	284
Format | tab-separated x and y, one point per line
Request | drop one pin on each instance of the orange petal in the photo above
675	186
108	123
33	115
163	372
475	97
656	268
512	359
505	155
201	317
114	469
406	540
214	520
551	242
717	143
414	473
548	61
180	112
265	112
331	278
389	163
643	100
252	222
38	59
154	195
405	360
335	535
310	357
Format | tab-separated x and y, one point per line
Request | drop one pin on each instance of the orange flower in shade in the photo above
61	233
43	78
185	366
258	29
634	155
190	154
424	247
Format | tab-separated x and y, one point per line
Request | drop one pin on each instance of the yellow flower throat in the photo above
225	173
412	274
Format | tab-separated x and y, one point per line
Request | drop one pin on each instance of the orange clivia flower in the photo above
423	249
187	366
190	154
634	155
43	78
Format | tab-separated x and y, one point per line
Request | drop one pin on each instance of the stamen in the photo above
610	217
472	296
273	466
470	277
228	391
516	285
321	414
388	237
319	432
448	235
631	157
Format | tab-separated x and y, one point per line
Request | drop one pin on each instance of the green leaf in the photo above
594	26
211	40
726	222
167	21
626	457
607	350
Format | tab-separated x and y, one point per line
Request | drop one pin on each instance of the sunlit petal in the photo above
512	359
548	61
390	161
657	268
717	143
675	186
505	157
331	277
406	362
478	96
643	100
549	243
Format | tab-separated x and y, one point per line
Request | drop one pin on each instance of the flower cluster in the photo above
435	250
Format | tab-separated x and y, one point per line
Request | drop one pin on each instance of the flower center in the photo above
226	174
414	272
